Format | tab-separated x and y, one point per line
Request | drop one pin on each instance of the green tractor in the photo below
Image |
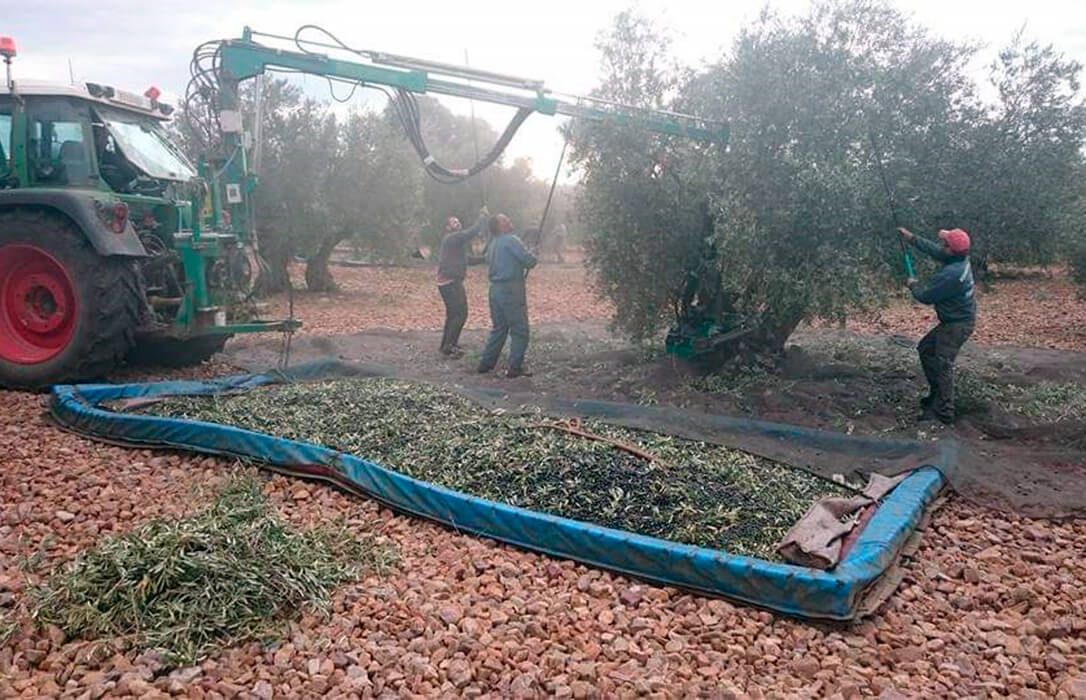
113	246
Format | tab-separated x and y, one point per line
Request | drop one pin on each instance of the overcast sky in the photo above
133	44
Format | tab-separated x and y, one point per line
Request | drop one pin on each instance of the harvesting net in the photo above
641	503
657	485
1035	480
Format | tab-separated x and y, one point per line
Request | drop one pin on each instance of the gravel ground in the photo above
990	605
406	298
1039	310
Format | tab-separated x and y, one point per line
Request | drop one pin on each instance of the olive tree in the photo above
821	109
642	205
291	203
373	195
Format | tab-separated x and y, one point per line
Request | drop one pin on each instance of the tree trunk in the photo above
982	273
318	278
764	345
276	276
771	338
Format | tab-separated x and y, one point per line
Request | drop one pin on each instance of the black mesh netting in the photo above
1037	482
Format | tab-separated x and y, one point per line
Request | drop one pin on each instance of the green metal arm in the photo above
244	58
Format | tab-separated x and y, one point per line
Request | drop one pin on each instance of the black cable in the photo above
202	90
406	107
202	107
298	41
332	91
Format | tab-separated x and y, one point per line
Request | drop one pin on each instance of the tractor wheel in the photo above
66	312
171	352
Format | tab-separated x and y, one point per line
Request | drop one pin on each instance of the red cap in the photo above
956	240
7	47
152	93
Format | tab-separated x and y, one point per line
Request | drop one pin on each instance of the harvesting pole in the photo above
475	138
910	270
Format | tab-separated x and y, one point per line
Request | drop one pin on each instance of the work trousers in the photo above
938	350
508	318
456	313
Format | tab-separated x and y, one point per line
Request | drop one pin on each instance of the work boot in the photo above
930	416
483	369
515	372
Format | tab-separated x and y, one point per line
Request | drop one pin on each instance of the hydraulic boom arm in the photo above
228	63
242	59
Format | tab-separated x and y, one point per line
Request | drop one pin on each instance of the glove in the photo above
911	282
906	234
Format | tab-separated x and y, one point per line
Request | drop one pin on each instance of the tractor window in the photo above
144	143
59	154
5	141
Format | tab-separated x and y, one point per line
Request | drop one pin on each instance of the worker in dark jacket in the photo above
452	267
951	291
509	262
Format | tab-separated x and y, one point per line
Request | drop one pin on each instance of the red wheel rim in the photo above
37	305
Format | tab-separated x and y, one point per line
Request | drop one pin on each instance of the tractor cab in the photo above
90	136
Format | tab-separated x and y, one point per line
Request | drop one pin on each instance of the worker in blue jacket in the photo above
509	262
951	292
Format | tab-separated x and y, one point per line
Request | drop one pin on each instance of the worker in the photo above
509	262
558	242
452	267
951	291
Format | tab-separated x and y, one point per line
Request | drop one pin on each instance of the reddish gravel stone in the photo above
468	617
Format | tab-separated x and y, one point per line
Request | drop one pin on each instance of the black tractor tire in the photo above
174	353
107	310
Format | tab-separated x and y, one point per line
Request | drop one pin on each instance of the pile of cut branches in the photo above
681	490
230	572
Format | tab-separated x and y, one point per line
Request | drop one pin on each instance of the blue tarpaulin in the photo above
794	590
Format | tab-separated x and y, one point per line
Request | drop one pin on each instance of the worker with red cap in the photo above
951	291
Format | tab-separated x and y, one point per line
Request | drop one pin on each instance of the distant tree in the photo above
293	204
1019	180
373	194
322	183
1078	261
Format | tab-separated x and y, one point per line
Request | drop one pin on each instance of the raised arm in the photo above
929	248
522	254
